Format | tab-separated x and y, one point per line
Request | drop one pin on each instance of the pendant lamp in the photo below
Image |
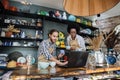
88	7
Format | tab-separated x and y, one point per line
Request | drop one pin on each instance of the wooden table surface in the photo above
33	72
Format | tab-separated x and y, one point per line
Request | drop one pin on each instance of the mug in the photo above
68	47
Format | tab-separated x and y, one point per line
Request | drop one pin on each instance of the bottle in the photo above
64	16
22	34
29	59
36	34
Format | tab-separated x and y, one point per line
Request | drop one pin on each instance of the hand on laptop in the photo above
63	63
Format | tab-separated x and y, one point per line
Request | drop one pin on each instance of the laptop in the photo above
76	58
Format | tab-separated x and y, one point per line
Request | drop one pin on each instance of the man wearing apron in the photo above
75	41
47	49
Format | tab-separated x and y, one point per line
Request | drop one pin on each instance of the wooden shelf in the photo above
21	46
69	22
106	69
12	38
60	72
21	14
22	26
31	15
84	34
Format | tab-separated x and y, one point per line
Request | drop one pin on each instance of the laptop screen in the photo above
76	58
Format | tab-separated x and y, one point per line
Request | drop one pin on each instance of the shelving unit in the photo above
11	38
27	45
22	26
43	18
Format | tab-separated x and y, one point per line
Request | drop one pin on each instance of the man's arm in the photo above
58	62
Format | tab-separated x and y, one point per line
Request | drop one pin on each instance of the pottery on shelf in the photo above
72	18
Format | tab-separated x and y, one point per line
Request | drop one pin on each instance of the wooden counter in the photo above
33	72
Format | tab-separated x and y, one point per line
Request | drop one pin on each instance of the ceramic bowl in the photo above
52	64
71	18
43	65
111	60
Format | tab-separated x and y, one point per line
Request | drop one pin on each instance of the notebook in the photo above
76	58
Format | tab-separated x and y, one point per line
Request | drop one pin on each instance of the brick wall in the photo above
109	23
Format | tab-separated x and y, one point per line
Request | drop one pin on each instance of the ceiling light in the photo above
98	15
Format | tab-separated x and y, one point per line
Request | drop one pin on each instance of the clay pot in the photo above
5	4
12	8
8	34
39	24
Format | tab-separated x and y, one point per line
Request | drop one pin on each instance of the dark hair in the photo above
52	31
73	26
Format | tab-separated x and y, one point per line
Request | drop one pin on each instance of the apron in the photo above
42	56
74	43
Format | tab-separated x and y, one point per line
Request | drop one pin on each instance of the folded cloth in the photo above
6	75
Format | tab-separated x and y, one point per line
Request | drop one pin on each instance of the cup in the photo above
52	70
52	63
68	47
2	34
43	65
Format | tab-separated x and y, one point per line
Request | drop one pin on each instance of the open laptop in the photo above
76	58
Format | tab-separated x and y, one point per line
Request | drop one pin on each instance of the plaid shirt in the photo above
44	49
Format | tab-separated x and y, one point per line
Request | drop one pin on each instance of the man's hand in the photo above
60	55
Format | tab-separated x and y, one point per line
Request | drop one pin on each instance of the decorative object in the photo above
30	60
91	62
43	65
60	42
52	63
8	34
112	39
13	8
96	42
25	2
5	4
11	64
57	14
110	59
12	29
14	55
99	57
86	31
68	47
21	60
88	7
51	13
52	70
64	16
71	18
25	9
78	20
42	13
